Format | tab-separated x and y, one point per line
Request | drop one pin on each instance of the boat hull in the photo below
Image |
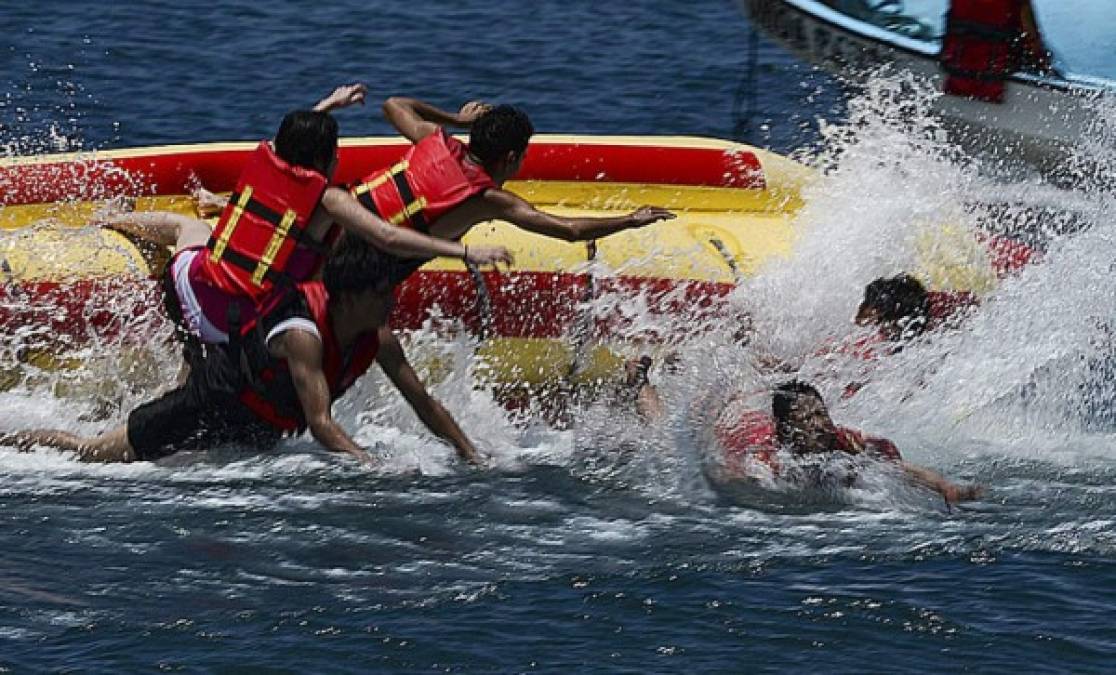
1039	121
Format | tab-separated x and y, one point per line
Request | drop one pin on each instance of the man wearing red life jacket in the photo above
279	376
748	443
986	41
800	424
278	226
445	187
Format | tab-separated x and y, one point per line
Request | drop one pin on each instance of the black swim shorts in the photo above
196	416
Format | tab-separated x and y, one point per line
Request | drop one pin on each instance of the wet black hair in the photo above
786	396
308	139
899	299
355	266
498	131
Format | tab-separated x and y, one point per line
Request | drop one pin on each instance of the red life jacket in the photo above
270	391
435	176
944	305
985	42
1007	255
261	242
751	437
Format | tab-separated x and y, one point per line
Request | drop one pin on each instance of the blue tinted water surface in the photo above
561	559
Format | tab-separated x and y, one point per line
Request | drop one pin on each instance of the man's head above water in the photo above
898	305
802	422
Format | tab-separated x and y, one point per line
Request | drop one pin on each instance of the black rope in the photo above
744	100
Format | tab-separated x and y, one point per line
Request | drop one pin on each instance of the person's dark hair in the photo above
355	266
786	396
500	130
900	300
308	139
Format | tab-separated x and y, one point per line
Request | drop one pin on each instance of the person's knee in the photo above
112	446
192	233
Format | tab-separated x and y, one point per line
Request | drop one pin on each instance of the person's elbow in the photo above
395	108
390	104
571	234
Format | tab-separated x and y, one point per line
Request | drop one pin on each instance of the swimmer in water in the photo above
279	376
799	423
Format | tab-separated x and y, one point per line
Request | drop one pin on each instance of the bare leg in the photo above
111	446
159	227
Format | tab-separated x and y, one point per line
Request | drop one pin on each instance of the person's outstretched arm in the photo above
951	492
303	352
504	205
402	241
417	119
436	418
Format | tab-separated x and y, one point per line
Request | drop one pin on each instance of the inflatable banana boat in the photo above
563	310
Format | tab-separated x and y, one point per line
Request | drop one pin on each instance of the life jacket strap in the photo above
251	265
981	30
239	203
277	238
412	211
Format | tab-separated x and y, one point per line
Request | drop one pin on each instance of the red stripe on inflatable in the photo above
551	305
217	170
523	305
643	164
60	315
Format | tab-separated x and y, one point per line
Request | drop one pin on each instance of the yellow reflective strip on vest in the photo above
408	211
273	247
381	179
226	234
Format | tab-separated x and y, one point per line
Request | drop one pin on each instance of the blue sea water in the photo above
567	554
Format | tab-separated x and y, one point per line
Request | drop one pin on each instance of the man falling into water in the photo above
279	230
444	187
279	376
751	443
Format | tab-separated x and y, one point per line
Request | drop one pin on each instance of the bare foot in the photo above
208	204
114	207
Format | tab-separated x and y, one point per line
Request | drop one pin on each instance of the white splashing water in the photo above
893	196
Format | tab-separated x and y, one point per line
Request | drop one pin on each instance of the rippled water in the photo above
603	547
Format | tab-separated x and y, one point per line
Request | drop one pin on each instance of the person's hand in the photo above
962	493
471	111
475	460
645	215
342	97
488	255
